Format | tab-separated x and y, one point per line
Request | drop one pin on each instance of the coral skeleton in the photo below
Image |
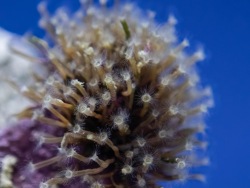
119	103
7	169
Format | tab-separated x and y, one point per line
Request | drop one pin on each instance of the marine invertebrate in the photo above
123	97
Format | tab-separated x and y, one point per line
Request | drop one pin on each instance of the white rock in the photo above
14	68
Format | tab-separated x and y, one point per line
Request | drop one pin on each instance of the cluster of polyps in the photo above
125	93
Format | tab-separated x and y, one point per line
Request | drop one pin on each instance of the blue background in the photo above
223	28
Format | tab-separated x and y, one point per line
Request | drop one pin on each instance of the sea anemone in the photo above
118	104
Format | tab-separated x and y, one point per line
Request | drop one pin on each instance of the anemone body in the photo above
122	96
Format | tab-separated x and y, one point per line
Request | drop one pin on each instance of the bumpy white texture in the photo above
13	68
7	169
